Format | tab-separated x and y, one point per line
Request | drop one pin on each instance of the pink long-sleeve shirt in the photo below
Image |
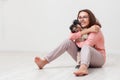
95	39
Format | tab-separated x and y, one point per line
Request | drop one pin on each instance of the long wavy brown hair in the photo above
92	18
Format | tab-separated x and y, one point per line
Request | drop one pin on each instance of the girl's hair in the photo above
92	18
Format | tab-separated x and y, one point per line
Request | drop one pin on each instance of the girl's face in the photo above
83	18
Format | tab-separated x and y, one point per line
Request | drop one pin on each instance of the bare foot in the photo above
40	62
81	71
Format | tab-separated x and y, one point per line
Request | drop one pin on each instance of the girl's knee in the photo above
68	41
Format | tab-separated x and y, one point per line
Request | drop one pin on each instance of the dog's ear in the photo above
75	22
72	28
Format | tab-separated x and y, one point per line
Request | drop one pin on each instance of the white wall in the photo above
40	25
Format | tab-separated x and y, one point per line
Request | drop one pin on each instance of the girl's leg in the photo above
66	45
89	57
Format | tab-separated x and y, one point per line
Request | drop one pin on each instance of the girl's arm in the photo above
94	28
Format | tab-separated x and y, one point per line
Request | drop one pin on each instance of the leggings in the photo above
89	55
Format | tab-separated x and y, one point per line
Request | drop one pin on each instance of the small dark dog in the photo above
75	27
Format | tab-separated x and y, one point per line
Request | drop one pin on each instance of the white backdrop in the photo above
41	25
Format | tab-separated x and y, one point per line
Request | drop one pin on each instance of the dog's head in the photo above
75	27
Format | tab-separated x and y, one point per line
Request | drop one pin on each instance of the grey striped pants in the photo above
89	56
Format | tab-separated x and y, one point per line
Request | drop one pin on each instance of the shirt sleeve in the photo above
74	36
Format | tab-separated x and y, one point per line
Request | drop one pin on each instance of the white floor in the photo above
21	66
